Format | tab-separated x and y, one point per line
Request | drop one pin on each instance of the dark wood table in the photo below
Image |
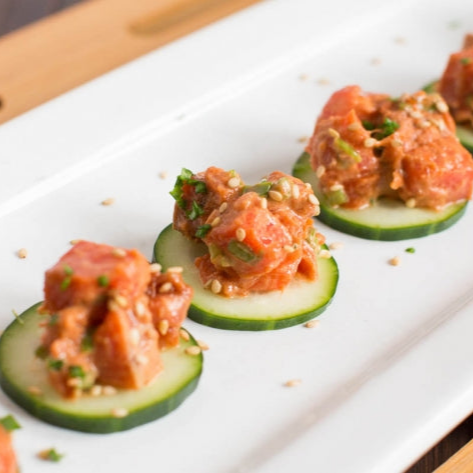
15	14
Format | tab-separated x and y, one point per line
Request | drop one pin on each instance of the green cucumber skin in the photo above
303	170
82	422
205	317
465	135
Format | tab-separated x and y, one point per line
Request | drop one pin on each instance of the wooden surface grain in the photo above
16	14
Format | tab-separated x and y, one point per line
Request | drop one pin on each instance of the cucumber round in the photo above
22	373
465	135
297	303
387	219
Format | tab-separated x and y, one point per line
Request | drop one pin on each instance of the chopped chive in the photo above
17	316
262	188
195	212
55	365
9	423
242	251
410	250
202	231
368	125
103	280
87	342
41	352
345	147
465	61
68	270
186	178
65	283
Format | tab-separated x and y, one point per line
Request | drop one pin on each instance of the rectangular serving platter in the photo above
388	370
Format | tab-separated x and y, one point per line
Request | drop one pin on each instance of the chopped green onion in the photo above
368	125
262	188
41	352
76	371
50	455
186	178
195	212
410	250
17	316
103	280
87	342
9	423
202	231
465	60
55	365
345	147
65	283
68	270
337	197
242	251
388	127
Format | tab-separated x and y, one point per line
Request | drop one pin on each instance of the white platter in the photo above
388	370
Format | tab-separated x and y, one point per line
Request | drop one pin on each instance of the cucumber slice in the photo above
21	371
465	135
299	302
387	219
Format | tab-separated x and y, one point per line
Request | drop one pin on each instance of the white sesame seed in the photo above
325	254
289	248
369	142
396	143
296	193
323	81
303	77
193	350
163	326
320	171
175	269
134	336
121	300
336	245
416	114
234	182
275	195
74	242
441	106
216	286
202	345
119	412
22	253
313	199
292	383
336	187
184	334
425	124
333	133
395	261
165	288
163	174
264	203
142	360
215	221
411	203
108	201
312	323
223	207
96	390
303	139
155	268
355	126
240	234
108	390
376	61
119	252
316	210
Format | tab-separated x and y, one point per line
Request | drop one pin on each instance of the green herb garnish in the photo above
410	250
55	365
202	231
50	455
9	423
41	352
103	280
68	270
368	125
345	147
186	178
66	282
262	188
195	212
388	127
465	61
87	342
242	252
17	316
76	371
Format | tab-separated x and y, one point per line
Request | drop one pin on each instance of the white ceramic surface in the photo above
388	370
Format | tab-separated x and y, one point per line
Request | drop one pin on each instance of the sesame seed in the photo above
163	174
355	126
416	114
193	350
312	323
316	210
323	81
240	234
275	195
134	336
166	288
425	124
292	383
396	143
155	268
303	77
264	203
376	61
215	221
223	207
163	326
119	252
216	286
411	203
396	261
233	183
119	412
296	193
142	360
22	253
202	345
289	248
333	133
35	391
108	201
325	254
121	300
96	390
336	245
303	139
184	334
441	106
74	242
369	142
108	390
320	171
140	308
313	199
336	187
175	269
112	306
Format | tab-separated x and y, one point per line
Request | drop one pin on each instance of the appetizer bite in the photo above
105	350
251	253
385	168
456	87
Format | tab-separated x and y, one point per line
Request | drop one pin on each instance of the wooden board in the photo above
54	55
